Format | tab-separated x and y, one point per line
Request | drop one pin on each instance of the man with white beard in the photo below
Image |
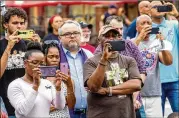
86	37
72	58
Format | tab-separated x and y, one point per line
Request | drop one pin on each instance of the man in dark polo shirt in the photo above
111	79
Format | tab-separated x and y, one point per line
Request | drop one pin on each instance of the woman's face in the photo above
53	57
35	60
57	22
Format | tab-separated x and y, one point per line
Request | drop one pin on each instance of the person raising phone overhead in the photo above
29	94
52	58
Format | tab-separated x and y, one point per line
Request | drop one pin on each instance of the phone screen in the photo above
64	68
48	71
117	45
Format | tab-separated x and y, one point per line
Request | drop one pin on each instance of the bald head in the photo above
144	7
153	3
142	17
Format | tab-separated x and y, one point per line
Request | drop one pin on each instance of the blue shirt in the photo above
131	32
76	71
171	33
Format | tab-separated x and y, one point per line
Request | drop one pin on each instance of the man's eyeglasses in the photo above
108	35
69	34
155	7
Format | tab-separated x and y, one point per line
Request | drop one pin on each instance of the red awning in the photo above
44	3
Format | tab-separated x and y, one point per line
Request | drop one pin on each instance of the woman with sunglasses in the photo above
52	58
30	95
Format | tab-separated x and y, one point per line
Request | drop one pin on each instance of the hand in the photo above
66	78
36	77
52	108
137	104
174	11
12	40
160	36
58	80
35	37
106	53
144	32
103	91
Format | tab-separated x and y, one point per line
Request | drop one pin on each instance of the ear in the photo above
25	63
5	25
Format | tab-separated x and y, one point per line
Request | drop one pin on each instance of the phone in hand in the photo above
26	34
48	71
166	8
117	45
64	68
155	30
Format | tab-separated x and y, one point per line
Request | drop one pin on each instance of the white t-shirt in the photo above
30	103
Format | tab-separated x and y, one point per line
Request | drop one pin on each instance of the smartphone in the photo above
166	8
64	68
25	34
155	30
48	71
117	45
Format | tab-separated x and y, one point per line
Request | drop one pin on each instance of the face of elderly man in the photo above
70	36
143	21
153	9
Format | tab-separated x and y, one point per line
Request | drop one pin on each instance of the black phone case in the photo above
167	8
155	30
117	45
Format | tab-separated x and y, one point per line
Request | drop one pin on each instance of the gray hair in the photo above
142	16
70	22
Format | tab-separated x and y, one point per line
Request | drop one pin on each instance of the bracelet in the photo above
102	63
110	91
70	93
8	53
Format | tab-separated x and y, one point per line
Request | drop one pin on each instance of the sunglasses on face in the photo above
108	35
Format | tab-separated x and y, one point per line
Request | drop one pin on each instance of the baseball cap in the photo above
106	28
113	6
83	25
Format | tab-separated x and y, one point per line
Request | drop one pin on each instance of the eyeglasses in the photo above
51	41
110	34
69	34
35	62
155	7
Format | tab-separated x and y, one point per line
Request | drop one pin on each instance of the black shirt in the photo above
14	69
51	36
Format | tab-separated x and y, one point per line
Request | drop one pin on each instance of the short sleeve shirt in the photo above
100	106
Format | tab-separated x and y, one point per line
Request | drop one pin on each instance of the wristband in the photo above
8	53
102	64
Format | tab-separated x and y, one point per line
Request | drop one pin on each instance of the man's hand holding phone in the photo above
144	32
174	11
12	40
106	53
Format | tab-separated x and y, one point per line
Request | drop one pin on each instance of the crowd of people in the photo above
88	81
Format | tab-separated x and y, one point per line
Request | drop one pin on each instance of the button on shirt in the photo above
76	72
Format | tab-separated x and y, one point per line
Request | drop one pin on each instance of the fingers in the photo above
107	46
15	33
